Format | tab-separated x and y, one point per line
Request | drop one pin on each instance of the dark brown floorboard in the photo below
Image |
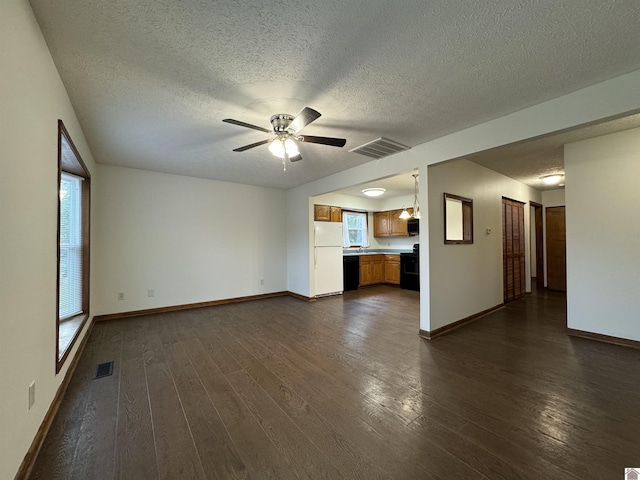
344	388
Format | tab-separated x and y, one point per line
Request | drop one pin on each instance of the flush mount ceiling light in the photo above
551	179
373	192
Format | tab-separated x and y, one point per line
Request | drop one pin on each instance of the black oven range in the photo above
410	269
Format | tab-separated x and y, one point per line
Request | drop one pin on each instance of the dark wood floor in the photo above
345	388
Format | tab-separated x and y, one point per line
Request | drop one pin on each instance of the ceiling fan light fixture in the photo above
291	148
279	148
373	192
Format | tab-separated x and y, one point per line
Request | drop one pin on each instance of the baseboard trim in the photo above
301	297
430	335
189	306
32	454
599	337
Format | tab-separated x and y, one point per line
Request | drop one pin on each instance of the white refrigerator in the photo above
327	258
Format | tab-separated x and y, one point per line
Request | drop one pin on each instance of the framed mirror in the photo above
458	220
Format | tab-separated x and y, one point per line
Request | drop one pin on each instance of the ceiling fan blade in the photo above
304	118
334	142
243	124
296	158
257	144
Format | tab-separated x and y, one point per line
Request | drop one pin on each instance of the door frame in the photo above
539	243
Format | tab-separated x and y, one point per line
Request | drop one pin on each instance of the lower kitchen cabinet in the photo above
392	269
371	269
376	269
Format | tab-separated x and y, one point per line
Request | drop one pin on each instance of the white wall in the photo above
553	198
615	97
188	239
467	279
32	99
603	234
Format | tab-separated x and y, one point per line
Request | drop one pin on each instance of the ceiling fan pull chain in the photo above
284	163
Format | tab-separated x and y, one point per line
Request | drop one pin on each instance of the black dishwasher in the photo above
351	272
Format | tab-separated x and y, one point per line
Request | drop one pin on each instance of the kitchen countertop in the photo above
375	252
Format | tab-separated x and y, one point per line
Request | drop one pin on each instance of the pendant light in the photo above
416	205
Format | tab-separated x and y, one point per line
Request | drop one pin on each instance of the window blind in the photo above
70	280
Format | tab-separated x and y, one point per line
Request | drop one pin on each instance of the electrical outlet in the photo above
150	293
32	394
120	295
262	282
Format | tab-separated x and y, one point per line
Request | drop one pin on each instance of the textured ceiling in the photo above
151	80
528	161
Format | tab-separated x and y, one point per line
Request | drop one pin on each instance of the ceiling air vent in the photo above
380	147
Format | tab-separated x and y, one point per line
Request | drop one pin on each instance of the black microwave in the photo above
413	226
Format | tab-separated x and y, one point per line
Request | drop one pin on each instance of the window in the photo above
73	245
354	229
70	264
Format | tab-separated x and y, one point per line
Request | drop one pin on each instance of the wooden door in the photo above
556	249
513	256
539	258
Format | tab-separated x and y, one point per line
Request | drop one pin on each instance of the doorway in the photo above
513	250
537	256
556	249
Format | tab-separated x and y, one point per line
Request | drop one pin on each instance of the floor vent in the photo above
380	147
104	370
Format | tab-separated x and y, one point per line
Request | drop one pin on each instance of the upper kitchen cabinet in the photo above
389	224
381	224
327	213
336	214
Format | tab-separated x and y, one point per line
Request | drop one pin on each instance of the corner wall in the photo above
468	279
32	99
189	240
603	234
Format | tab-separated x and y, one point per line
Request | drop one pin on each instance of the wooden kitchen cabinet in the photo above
335	214
327	213
322	213
376	269
392	269
381	224
389	224
371	269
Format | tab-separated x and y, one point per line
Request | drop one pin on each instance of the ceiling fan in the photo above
286	128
